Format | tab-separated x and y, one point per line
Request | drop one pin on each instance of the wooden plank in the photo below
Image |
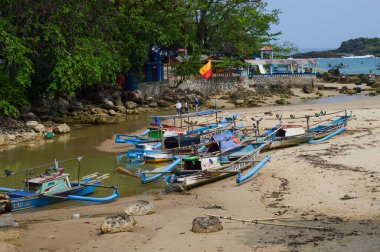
187	115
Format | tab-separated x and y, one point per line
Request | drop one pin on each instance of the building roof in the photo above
266	48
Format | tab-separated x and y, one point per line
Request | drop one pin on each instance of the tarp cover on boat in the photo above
210	162
294	131
227	140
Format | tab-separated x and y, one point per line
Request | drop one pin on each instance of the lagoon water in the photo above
80	142
354	65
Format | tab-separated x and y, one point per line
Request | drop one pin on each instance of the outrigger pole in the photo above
79	159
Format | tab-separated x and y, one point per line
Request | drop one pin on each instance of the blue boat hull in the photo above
22	200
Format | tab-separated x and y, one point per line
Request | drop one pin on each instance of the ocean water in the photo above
352	66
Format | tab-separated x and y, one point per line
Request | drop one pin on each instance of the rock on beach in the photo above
120	222
208	224
140	207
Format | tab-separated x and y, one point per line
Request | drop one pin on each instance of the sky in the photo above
326	23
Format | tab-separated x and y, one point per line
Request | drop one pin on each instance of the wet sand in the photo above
334	184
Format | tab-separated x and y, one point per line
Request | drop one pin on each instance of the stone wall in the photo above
152	89
218	85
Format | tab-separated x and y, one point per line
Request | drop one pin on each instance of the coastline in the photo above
307	181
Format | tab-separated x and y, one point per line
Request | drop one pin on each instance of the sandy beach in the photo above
334	184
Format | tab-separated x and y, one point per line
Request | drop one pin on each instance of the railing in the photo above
281	74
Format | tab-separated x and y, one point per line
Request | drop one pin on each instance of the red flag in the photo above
206	70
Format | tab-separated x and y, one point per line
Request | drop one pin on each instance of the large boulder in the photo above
308	89
29	117
149	99
101	119
153	104
61	129
136	96
5	203
61	105
206	224
32	124
111	112
239	102
120	222
140	207
117	98
334	72
130	105
76	106
121	109
163	103
107	104
39	128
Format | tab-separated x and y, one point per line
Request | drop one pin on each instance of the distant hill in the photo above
357	47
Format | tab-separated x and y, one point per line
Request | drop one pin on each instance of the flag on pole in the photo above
206	70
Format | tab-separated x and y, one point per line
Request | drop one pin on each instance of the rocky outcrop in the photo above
208	224
118	223
358	46
140	207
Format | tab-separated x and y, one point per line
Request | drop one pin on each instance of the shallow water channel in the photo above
80	142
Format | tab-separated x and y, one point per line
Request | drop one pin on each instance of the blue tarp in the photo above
226	140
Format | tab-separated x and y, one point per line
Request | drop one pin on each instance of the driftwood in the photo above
264	222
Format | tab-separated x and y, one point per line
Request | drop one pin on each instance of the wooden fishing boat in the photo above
223	145
291	135
204	170
180	145
159	131
55	186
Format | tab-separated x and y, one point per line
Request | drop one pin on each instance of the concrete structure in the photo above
284	67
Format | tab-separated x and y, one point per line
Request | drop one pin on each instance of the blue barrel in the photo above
160	71
132	83
149	71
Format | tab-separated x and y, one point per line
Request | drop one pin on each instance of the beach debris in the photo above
119	222
212	206
208	224
268	221
139	207
76	216
268	113
5	203
347	197
6	220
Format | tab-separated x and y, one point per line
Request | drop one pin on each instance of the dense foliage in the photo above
50	48
360	46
